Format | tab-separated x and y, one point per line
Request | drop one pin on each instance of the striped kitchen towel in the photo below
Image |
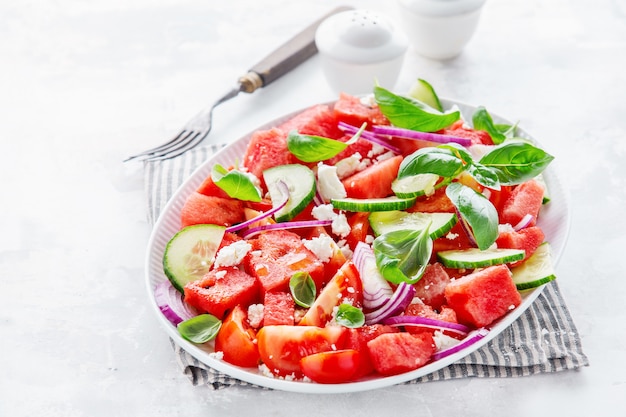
543	339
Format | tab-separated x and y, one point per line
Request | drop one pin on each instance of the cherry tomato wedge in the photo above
282	346
334	367
236	340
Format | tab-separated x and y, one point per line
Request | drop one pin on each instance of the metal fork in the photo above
287	57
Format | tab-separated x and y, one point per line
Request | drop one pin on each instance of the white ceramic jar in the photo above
358	48
439	29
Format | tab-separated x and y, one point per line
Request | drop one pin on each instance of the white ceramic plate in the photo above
554	221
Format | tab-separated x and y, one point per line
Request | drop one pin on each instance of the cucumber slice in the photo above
386	221
421	90
191	252
415	185
301	182
476	258
372	204
536	270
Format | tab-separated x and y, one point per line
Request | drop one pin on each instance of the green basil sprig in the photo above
235	183
200	329
302	289
477	212
350	316
499	132
311	148
511	163
515	162
402	255
411	114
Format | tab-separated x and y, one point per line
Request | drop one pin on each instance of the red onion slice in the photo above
414	134
171	303
524	223
370	137
472	338
253	231
376	290
427	322
401	298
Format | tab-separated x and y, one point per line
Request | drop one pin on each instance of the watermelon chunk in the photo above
351	110
483	296
395	353
527	239
424	310
267	148
318	120
203	209
375	180
431	287
278	308
221	289
526	198
276	255
357	339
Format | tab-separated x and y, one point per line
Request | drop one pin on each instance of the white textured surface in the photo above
84	84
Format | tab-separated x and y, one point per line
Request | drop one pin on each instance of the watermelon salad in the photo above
359	239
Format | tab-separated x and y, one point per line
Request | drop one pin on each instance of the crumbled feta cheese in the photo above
369	239
323	212
385	156
255	315
340	225
328	182
443	341
232	254
452	236
505	228
217	355
220	274
322	246
349	165
376	150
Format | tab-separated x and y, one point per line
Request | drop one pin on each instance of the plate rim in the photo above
253	376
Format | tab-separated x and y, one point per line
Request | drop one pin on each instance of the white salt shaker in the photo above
439	29
359	48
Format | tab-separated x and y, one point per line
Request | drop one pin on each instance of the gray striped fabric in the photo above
543	339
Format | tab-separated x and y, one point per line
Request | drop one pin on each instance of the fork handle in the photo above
287	57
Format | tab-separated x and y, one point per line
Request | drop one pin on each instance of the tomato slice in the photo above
281	347
236	339
345	286
359	228
334	367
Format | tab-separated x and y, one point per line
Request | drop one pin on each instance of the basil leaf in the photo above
485	176
350	316
406	113
516	162
235	183
506	129
440	161
482	121
200	329
402	255
302	289
309	148
477	212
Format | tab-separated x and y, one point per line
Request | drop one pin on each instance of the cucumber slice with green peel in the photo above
414	185
421	90
191	252
372	204
476	258
386	221
301	183
536	270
